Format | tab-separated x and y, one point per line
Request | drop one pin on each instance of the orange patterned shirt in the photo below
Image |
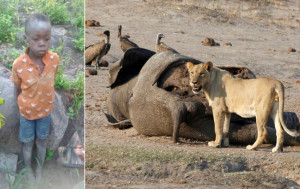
37	88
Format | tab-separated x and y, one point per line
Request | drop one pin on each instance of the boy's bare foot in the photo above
29	176
38	174
79	151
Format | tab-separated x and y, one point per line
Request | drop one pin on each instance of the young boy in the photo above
33	75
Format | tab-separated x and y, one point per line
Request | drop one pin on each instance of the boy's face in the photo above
38	38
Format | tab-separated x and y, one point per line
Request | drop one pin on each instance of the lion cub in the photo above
259	97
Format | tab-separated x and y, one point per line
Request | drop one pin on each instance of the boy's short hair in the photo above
36	17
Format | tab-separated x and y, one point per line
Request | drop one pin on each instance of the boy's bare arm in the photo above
17	90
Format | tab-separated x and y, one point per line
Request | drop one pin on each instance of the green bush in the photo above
49	155
11	56
78	21
7	28
8	20
61	81
55	9
77	11
75	86
78	43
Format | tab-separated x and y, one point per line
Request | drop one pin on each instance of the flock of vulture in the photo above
94	52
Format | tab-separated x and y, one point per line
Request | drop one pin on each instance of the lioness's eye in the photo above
201	75
192	73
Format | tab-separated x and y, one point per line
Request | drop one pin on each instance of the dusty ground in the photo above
260	33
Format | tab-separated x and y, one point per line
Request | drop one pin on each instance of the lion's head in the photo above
199	75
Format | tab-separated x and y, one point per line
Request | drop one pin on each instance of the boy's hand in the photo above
17	90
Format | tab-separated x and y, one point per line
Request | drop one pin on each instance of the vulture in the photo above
125	43
94	52
161	47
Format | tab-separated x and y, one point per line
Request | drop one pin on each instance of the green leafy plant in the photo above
71	113
16	183
55	9
78	43
11	56
77	7
61	81
75	86
78	22
49	155
7	28
2	118
8	20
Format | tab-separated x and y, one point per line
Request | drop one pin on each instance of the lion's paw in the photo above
277	150
214	144
250	147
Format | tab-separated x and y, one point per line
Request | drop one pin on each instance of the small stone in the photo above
92	23
93	72
104	63
103	99
227	44
271	49
209	42
291	50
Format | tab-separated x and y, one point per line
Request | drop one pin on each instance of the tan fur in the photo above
95	52
162	47
92	51
125	43
259	97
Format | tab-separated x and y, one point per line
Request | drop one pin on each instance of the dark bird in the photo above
95	52
162	47
125	43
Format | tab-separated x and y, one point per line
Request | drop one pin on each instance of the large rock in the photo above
59	35
9	141
60	122
4	72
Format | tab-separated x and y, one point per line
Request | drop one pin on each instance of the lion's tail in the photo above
280	91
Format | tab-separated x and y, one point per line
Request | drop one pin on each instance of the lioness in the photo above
247	98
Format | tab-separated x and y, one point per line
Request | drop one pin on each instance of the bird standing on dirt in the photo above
95	52
162	47
125	43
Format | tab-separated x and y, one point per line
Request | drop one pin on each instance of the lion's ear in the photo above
208	66
189	65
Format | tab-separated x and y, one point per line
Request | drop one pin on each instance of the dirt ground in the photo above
260	33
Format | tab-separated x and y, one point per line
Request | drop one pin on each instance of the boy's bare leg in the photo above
27	155
41	153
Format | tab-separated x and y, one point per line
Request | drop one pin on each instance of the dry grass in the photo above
131	156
